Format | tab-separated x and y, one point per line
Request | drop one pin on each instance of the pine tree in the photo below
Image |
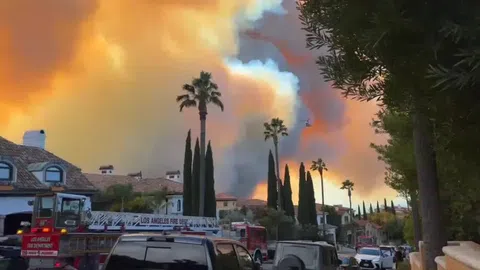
393	208
196	180
378	208
272	183
371	208
210	200
187	177
359	213
385	204
312	209
301	213
287	194
365	217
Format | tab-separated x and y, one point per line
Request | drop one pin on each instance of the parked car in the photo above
192	252
305	255
374	258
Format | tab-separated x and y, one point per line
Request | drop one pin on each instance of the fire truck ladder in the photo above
99	220
87	243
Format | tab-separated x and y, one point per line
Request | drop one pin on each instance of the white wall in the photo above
171	207
11	205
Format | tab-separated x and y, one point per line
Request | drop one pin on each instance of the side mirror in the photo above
30	203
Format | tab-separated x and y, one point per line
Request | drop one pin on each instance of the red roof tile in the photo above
251	203
103	181
225	197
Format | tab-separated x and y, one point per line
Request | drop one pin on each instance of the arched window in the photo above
179	206
53	174
6	172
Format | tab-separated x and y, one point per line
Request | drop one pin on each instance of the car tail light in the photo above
46	230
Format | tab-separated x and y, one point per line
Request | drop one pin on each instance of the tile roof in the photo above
103	181
23	156
225	197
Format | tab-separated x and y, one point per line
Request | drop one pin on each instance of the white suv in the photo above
374	258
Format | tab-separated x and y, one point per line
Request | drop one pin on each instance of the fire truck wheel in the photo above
258	257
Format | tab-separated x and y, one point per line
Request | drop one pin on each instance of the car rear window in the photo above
157	255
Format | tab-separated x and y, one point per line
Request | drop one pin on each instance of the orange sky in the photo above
101	79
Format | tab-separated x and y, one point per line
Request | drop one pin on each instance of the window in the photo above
225	204
127	255
45	207
104	172
175	256
53	174
369	251
163	255
345	219
6	171
179	206
226	257
246	262
69	213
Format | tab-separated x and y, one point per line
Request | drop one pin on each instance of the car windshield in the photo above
68	212
157	255
369	251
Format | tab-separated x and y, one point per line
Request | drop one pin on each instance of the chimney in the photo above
35	138
106	169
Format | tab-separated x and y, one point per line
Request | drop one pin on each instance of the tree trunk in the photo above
350	201
203	120
417	225
434	236
279	183
323	206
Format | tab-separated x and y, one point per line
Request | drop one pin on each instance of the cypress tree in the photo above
371	208
272	183
301	216
210	201
378	208
385	204
365	217
187	177
287	196
359	213
312	210
393	208
196	180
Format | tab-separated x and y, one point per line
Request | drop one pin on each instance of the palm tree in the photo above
348	185
319	165
274	130
200	93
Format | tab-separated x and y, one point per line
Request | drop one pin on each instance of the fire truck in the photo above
364	241
252	236
65	233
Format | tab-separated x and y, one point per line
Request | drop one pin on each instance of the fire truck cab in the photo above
252	236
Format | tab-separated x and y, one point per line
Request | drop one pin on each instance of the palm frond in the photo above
217	101
188	103
189	88
182	97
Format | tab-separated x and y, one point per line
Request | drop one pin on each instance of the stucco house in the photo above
174	197
28	169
